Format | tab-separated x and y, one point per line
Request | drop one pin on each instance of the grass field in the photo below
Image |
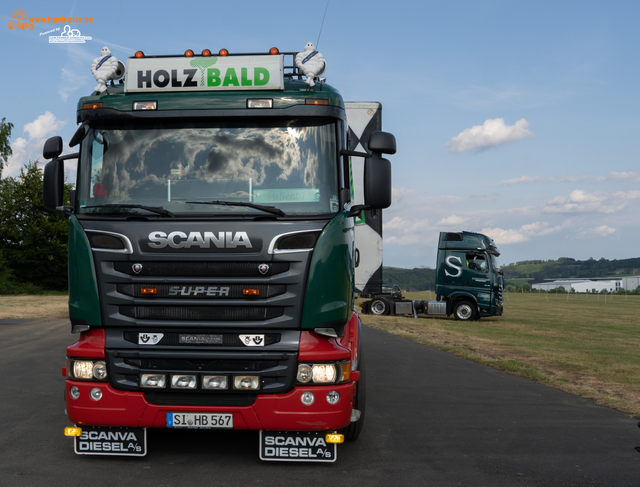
584	344
40	306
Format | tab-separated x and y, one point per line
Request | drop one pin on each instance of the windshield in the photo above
209	168
495	262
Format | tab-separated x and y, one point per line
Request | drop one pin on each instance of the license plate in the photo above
98	440
296	446
199	420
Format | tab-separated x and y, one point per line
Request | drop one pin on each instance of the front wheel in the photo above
465	311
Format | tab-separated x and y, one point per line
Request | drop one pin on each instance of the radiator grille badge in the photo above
136	268
263	268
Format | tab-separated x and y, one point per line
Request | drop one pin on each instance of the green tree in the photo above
33	240
5	148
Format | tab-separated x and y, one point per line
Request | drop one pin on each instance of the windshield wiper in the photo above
269	209
154	209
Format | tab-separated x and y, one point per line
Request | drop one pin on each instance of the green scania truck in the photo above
469	282
211	254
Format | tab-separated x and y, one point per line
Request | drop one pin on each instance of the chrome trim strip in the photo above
127	243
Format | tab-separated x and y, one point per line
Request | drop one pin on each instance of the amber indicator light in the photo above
315	101
251	291
92	106
149	291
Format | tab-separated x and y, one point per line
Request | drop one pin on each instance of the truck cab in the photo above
468	276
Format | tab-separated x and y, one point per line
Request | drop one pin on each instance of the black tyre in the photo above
465	311
379	307
352	431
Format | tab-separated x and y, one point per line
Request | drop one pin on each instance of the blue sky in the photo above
517	119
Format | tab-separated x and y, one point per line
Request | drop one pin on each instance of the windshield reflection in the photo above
291	166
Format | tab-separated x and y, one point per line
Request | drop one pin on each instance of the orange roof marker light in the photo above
223	52
139	54
274	50
92	106
206	53
188	53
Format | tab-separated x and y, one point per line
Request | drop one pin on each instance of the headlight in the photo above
325	374
332	373
86	369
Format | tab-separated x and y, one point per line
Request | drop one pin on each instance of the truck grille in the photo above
201	269
201	313
276	370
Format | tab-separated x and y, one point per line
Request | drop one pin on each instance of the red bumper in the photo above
269	412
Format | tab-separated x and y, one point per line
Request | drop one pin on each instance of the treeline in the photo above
566	267
422	279
33	240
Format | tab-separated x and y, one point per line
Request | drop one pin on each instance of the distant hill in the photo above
424	279
566	267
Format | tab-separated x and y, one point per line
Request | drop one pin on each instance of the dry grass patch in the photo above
580	343
45	306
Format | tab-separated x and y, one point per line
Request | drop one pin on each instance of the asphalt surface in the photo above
432	419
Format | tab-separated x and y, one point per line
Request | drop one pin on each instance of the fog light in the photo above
324	373
96	394
100	370
246	382
153	380
215	382
83	369
307	398
333	397
183	381
74	392
304	373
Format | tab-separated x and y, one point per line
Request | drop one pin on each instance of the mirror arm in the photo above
75	155
356	209
354	153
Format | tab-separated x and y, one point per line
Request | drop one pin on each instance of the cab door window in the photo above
476	262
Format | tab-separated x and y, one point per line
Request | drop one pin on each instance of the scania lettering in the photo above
180	240
469	282
212	252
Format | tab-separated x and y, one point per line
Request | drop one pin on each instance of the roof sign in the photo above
159	74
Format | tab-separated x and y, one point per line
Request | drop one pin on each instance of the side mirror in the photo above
53	186
52	147
382	143
53	181
377	182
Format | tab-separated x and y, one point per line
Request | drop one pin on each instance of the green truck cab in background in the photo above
469	282
468	276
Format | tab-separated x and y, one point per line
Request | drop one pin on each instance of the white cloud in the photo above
492	133
453	221
601	231
43	126
624	176
559	178
523	234
30	148
579	201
